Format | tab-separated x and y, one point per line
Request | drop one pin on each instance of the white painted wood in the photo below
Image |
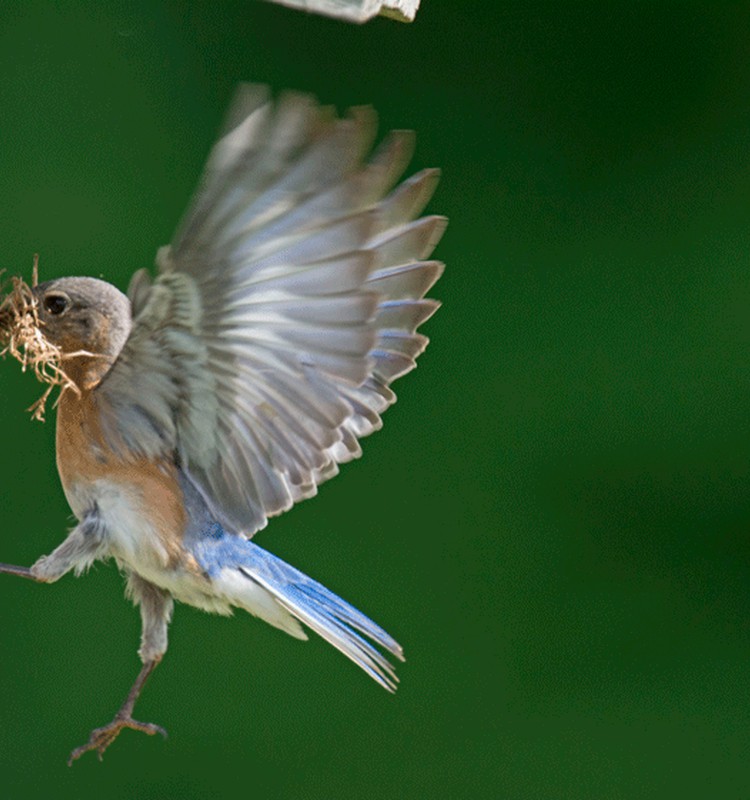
357	10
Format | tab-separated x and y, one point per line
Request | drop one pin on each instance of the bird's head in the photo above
79	315
68	330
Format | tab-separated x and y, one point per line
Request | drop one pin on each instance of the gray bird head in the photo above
83	314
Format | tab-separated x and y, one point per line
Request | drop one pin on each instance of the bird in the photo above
231	383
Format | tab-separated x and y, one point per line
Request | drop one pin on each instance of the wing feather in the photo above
286	304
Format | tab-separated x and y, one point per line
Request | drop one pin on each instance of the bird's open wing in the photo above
285	306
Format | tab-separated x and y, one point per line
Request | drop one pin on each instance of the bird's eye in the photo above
55	303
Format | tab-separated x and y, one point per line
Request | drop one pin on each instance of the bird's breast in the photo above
139	500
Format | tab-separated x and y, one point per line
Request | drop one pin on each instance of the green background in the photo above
555	519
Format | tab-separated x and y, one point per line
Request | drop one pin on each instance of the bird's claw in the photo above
101	738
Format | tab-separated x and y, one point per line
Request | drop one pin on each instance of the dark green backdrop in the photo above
555	519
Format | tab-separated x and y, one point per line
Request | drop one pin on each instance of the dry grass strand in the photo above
21	337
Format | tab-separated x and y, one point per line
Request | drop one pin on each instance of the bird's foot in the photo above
101	738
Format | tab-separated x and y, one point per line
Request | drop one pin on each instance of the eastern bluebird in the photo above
233	384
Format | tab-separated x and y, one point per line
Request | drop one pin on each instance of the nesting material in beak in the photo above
21	336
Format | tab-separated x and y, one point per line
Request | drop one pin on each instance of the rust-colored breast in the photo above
82	455
84	459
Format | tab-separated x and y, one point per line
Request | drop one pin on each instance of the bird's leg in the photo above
156	611
101	738
83	545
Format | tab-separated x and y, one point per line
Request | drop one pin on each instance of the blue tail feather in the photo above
222	555
338	622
